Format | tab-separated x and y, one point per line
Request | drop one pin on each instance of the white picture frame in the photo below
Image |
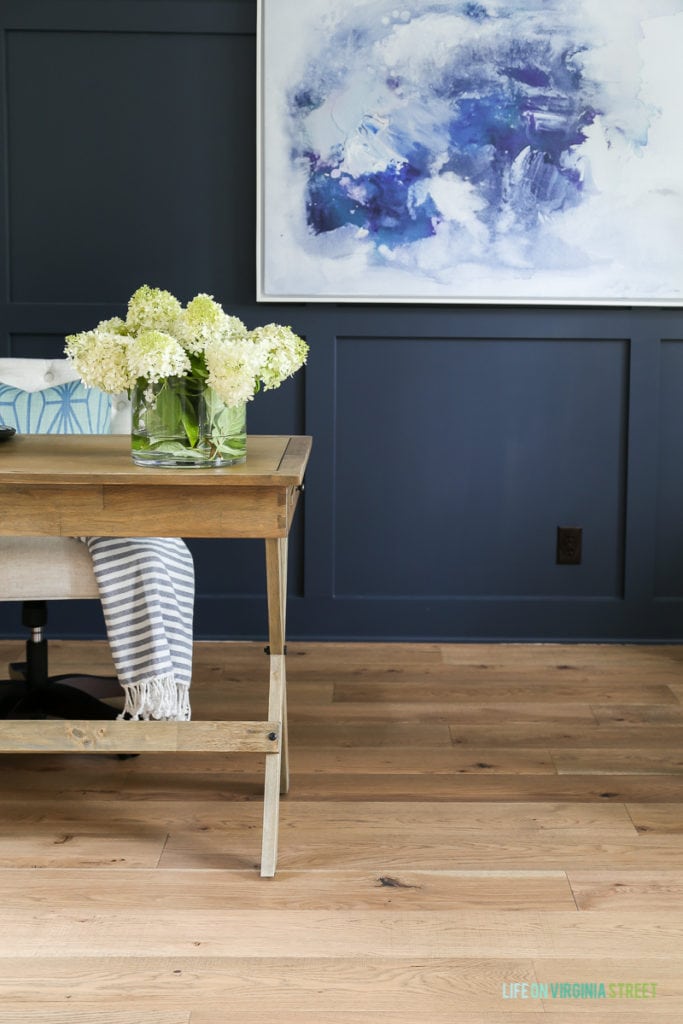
470	151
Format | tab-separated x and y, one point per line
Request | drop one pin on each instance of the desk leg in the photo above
277	765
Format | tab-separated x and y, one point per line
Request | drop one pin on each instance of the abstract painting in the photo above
523	151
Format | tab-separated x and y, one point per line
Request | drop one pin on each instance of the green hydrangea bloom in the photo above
152	309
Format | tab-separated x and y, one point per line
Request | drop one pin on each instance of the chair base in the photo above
31	692
51	699
96	686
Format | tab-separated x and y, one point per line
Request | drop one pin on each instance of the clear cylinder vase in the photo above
180	421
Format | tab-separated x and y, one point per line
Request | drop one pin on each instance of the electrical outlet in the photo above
569	543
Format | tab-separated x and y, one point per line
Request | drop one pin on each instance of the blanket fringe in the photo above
160	698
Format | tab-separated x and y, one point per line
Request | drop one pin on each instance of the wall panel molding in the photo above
127	155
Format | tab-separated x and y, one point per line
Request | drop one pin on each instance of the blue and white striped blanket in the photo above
146	589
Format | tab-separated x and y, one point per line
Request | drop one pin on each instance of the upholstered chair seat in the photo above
45	569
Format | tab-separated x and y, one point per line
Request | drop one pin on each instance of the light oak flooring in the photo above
469	826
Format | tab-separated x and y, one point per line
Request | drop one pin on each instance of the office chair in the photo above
46	396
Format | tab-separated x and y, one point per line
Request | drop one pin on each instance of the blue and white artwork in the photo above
471	151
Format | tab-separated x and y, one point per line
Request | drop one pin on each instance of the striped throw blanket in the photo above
146	589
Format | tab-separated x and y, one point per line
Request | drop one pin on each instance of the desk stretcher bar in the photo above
86	737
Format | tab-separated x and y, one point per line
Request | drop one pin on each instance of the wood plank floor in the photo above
475	834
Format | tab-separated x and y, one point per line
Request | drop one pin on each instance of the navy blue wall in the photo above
450	442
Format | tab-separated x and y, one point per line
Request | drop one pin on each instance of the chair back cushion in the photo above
46	396
65	409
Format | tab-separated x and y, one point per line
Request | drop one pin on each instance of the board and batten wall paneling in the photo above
126	159
449	442
465	455
668	568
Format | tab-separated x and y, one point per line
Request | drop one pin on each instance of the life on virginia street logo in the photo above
579	990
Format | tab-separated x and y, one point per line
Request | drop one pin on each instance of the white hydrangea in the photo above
159	339
283	353
152	309
116	325
100	358
203	320
234	366
154	355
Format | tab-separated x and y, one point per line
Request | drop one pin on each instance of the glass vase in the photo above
180	421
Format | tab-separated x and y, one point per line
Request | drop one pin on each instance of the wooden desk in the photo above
88	486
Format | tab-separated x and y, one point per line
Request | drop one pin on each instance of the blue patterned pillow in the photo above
69	408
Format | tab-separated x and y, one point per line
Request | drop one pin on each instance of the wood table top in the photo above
77	459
